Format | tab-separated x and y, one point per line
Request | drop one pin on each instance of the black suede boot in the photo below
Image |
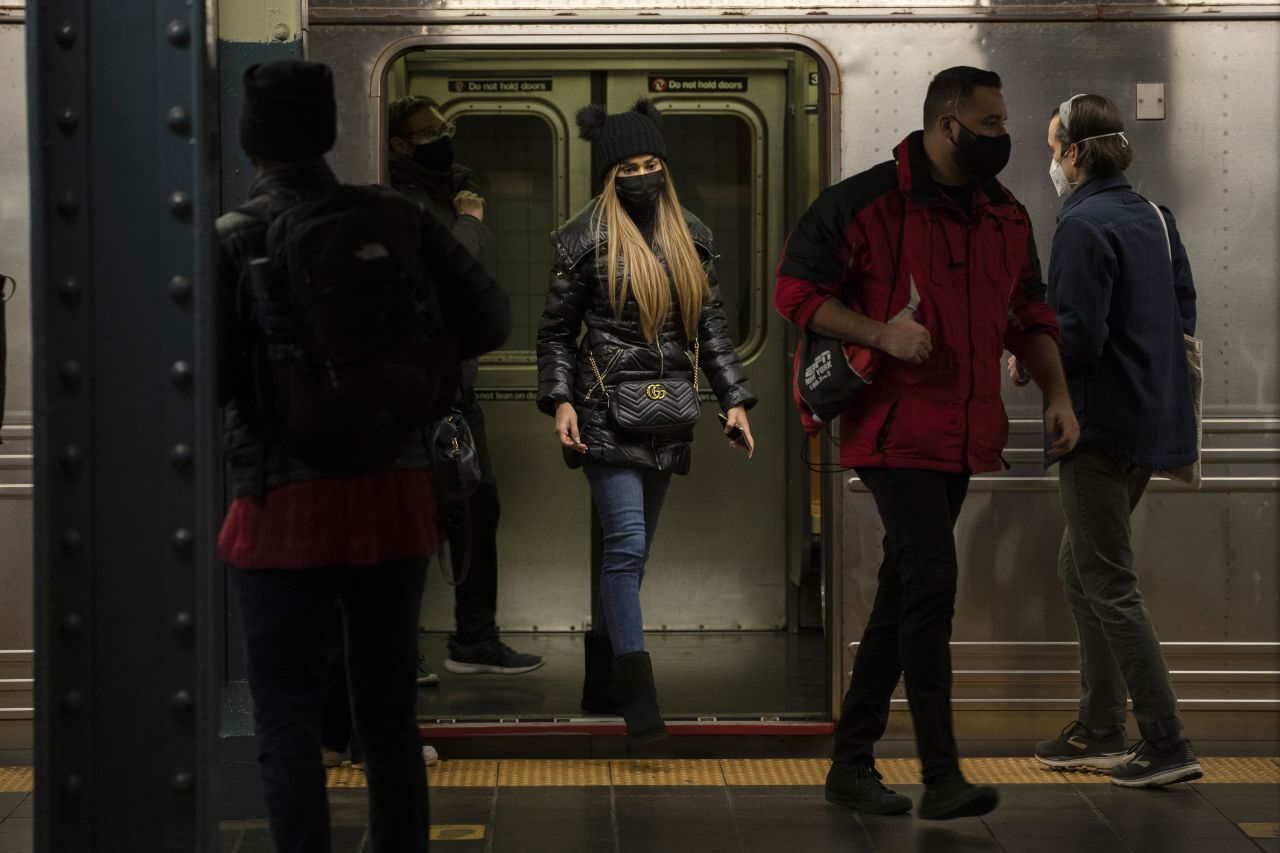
634	674
599	692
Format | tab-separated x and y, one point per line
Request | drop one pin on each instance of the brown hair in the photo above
1095	115
642	276
402	109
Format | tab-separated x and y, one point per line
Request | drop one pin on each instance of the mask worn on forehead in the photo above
435	156
981	157
640	193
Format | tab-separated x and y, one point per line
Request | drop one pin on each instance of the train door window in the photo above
513	159
712	161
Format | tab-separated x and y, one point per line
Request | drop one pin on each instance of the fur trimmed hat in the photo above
616	137
288	112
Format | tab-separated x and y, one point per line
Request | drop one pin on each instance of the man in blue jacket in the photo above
1121	285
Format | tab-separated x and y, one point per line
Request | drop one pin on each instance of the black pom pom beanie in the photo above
616	137
289	112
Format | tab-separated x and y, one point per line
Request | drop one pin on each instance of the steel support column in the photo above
120	114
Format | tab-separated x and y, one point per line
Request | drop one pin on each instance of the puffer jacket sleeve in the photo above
474	306
567	299
718	359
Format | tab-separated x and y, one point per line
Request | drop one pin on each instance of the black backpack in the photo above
351	359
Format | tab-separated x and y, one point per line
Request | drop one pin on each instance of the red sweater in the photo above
359	520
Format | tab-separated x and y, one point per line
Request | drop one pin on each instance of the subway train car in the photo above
764	572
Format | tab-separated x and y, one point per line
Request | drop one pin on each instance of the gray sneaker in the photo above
489	656
858	787
1148	767
1078	746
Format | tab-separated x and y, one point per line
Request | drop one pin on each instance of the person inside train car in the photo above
637	270
929	261
349	519
1121	284
421	166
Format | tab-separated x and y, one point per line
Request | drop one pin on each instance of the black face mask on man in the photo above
434	156
640	193
981	157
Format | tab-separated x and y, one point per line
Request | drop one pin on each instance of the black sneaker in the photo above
1148	767
492	656
426	678
857	786
1078	746
951	797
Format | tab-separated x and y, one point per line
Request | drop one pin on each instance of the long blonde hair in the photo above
642	275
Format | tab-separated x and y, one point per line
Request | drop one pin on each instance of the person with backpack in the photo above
637	270
929	261
1121	284
343	314
421	165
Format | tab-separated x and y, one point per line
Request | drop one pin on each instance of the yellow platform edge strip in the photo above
522	773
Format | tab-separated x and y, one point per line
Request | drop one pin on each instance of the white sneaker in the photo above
426	678
429	756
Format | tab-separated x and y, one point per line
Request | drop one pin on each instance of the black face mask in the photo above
981	157
639	193
435	156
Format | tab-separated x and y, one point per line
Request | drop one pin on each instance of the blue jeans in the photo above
289	631
628	501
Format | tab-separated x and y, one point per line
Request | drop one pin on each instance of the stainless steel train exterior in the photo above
821	93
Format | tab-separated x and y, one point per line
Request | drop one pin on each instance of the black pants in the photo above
289	633
909	631
337	732
475	600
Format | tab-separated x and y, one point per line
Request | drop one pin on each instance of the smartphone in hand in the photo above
736	435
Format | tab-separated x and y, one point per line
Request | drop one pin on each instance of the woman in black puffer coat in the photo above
644	323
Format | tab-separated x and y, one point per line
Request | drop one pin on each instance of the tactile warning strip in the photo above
676	771
464	774
533	774
746	772
775	771
16	780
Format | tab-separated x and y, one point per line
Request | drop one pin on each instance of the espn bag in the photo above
828	376
352	359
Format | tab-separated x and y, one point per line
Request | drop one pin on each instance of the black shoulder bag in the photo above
657	407
455	474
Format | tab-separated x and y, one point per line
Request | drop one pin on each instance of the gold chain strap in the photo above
595	368
697	359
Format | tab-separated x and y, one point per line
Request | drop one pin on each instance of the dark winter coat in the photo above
473	306
873	239
1123	306
579	294
434	192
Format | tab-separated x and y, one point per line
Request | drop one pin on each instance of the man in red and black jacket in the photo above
930	262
